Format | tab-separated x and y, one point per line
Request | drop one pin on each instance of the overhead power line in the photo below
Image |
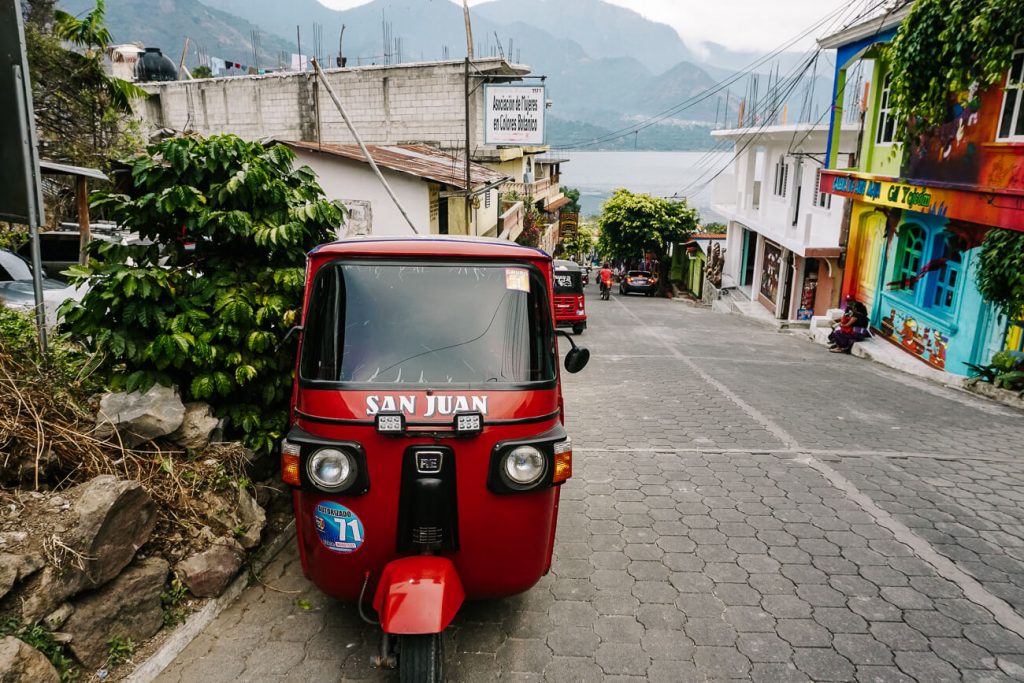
726	82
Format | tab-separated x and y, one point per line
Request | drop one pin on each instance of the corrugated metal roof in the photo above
55	168
421	161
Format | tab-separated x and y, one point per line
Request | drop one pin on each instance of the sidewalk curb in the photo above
194	625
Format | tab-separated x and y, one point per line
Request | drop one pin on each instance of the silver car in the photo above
16	288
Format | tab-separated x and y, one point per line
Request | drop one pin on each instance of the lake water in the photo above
662	174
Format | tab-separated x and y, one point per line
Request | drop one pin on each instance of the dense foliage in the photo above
1001	270
580	244
206	305
574	199
80	109
943	48
632	224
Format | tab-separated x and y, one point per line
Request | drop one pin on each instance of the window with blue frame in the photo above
942	282
941	254
908	256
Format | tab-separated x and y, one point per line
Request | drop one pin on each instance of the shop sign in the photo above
889	193
513	115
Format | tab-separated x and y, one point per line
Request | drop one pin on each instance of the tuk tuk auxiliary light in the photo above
390	423
469	423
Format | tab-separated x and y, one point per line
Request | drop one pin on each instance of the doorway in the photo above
442	216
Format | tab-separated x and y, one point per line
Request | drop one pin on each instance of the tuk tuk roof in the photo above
431	246
561	264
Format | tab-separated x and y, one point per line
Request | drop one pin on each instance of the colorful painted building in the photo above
690	259
916	224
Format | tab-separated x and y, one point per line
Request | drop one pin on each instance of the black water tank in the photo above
155	66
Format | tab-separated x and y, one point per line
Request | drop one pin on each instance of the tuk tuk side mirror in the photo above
577	358
287	336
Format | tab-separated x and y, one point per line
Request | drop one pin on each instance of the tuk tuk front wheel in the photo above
577	329
421	658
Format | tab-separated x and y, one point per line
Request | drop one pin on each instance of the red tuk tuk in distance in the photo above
427	445
570	309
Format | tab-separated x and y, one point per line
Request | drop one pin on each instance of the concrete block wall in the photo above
387	105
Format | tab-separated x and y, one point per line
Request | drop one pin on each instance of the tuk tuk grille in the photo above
428	535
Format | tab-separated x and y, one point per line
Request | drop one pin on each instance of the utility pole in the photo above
469	56
469	30
466	198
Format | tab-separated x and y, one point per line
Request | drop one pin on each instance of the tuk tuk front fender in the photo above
418	595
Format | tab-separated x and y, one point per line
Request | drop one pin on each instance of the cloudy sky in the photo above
738	24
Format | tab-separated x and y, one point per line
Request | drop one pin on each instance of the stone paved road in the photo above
745	506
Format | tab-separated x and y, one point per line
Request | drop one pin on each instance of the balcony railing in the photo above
510	223
538	188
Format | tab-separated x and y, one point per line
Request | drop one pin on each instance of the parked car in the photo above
16	289
642	281
58	249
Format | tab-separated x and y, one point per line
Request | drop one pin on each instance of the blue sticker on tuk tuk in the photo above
338	527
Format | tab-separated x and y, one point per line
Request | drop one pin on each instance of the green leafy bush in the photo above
207	304
1001	270
42	640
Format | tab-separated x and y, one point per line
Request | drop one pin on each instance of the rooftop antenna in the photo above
500	51
341	38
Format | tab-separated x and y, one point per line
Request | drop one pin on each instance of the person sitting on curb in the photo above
852	327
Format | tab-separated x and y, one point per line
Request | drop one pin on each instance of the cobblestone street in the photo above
744	506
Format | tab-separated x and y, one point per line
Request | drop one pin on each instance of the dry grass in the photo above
48	441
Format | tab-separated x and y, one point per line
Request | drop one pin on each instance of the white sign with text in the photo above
513	115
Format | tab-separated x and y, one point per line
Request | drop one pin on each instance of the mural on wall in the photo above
915	336
953	152
962	150
770	272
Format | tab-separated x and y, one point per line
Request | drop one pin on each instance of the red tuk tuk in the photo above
570	308
426	447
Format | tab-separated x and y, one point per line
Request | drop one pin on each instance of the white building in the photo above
423	178
783	242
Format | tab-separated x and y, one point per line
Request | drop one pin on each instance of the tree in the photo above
202	71
574	196
82	113
714	228
579	244
634	224
206	305
1001	270
941	50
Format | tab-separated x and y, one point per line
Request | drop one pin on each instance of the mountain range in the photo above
606	67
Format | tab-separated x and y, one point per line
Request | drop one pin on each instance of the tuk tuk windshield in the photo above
428	324
568	282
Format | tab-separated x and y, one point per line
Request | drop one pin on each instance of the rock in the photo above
55	619
208	573
196	427
238	515
127	607
115	517
139	417
260	467
22	663
15	568
12	537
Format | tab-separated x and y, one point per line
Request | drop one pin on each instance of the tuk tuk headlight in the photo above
524	465
331	469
